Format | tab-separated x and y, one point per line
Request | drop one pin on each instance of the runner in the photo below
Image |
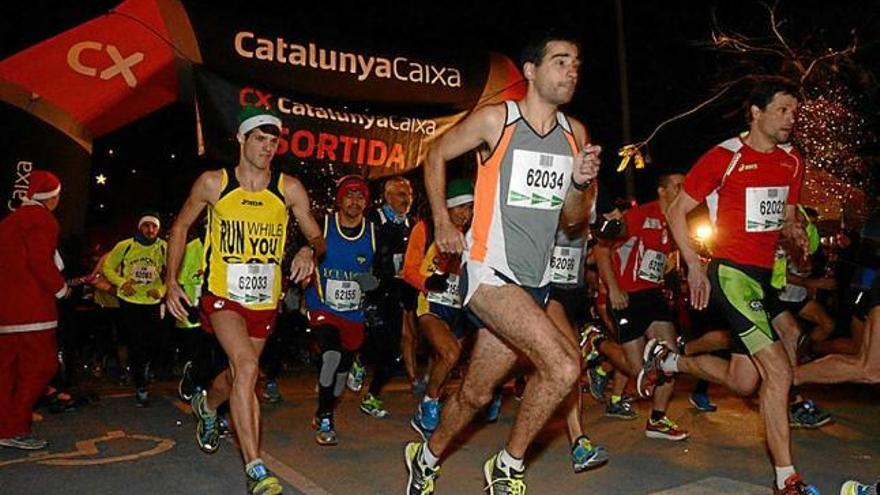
633	269
533	164
440	317
568	307
135	267
244	245
335	298
752	184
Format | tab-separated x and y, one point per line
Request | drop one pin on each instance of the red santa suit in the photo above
30	283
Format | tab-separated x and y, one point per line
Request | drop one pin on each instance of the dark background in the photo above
671	67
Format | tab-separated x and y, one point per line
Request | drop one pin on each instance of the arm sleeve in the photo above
415	253
111	265
706	175
40	244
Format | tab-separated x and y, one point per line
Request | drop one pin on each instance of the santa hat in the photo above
459	192
350	182
250	117
43	185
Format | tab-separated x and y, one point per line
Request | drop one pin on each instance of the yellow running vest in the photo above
244	243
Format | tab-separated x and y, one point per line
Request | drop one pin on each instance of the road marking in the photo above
89	447
282	470
717	486
290	475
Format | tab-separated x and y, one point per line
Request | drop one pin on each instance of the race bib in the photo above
765	208
565	265
450	297
653	266
144	274
342	295
539	180
250	283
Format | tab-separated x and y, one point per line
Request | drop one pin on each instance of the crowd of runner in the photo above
526	272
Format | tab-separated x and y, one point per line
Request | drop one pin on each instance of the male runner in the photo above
335	298
244	246
751	184
633	268
533	163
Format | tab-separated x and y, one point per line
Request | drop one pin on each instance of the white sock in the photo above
428	399
782	474
428	457
510	461
670	364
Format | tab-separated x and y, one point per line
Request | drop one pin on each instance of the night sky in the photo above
670	63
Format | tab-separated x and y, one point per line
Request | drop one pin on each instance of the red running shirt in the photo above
639	261
746	192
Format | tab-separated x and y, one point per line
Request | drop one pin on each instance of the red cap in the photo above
43	185
350	182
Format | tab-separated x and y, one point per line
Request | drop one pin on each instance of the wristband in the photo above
581	187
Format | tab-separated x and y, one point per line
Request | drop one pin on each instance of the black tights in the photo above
333	367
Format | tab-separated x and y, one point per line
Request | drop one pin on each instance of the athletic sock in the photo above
782	474
702	387
508	460
428	457
615	399
670	364
657	415
600	371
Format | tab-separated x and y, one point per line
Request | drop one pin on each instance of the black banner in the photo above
24	148
348	65
376	144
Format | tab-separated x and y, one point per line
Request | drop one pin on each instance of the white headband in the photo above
149	218
252	123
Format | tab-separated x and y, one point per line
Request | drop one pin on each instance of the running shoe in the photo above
806	414
24	442
421	477
622	409
585	455
207	431
650	376
701	402
270	392
325	433
261	481
665	429
795	486
355	380
591	338
186	387
502	479
493	410
374	406
142	397
597	382
427	418
853	487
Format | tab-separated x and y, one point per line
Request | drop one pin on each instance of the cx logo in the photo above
121	65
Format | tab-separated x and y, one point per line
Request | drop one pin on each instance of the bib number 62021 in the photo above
771	207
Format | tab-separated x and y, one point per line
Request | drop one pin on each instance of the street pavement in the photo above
110	447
